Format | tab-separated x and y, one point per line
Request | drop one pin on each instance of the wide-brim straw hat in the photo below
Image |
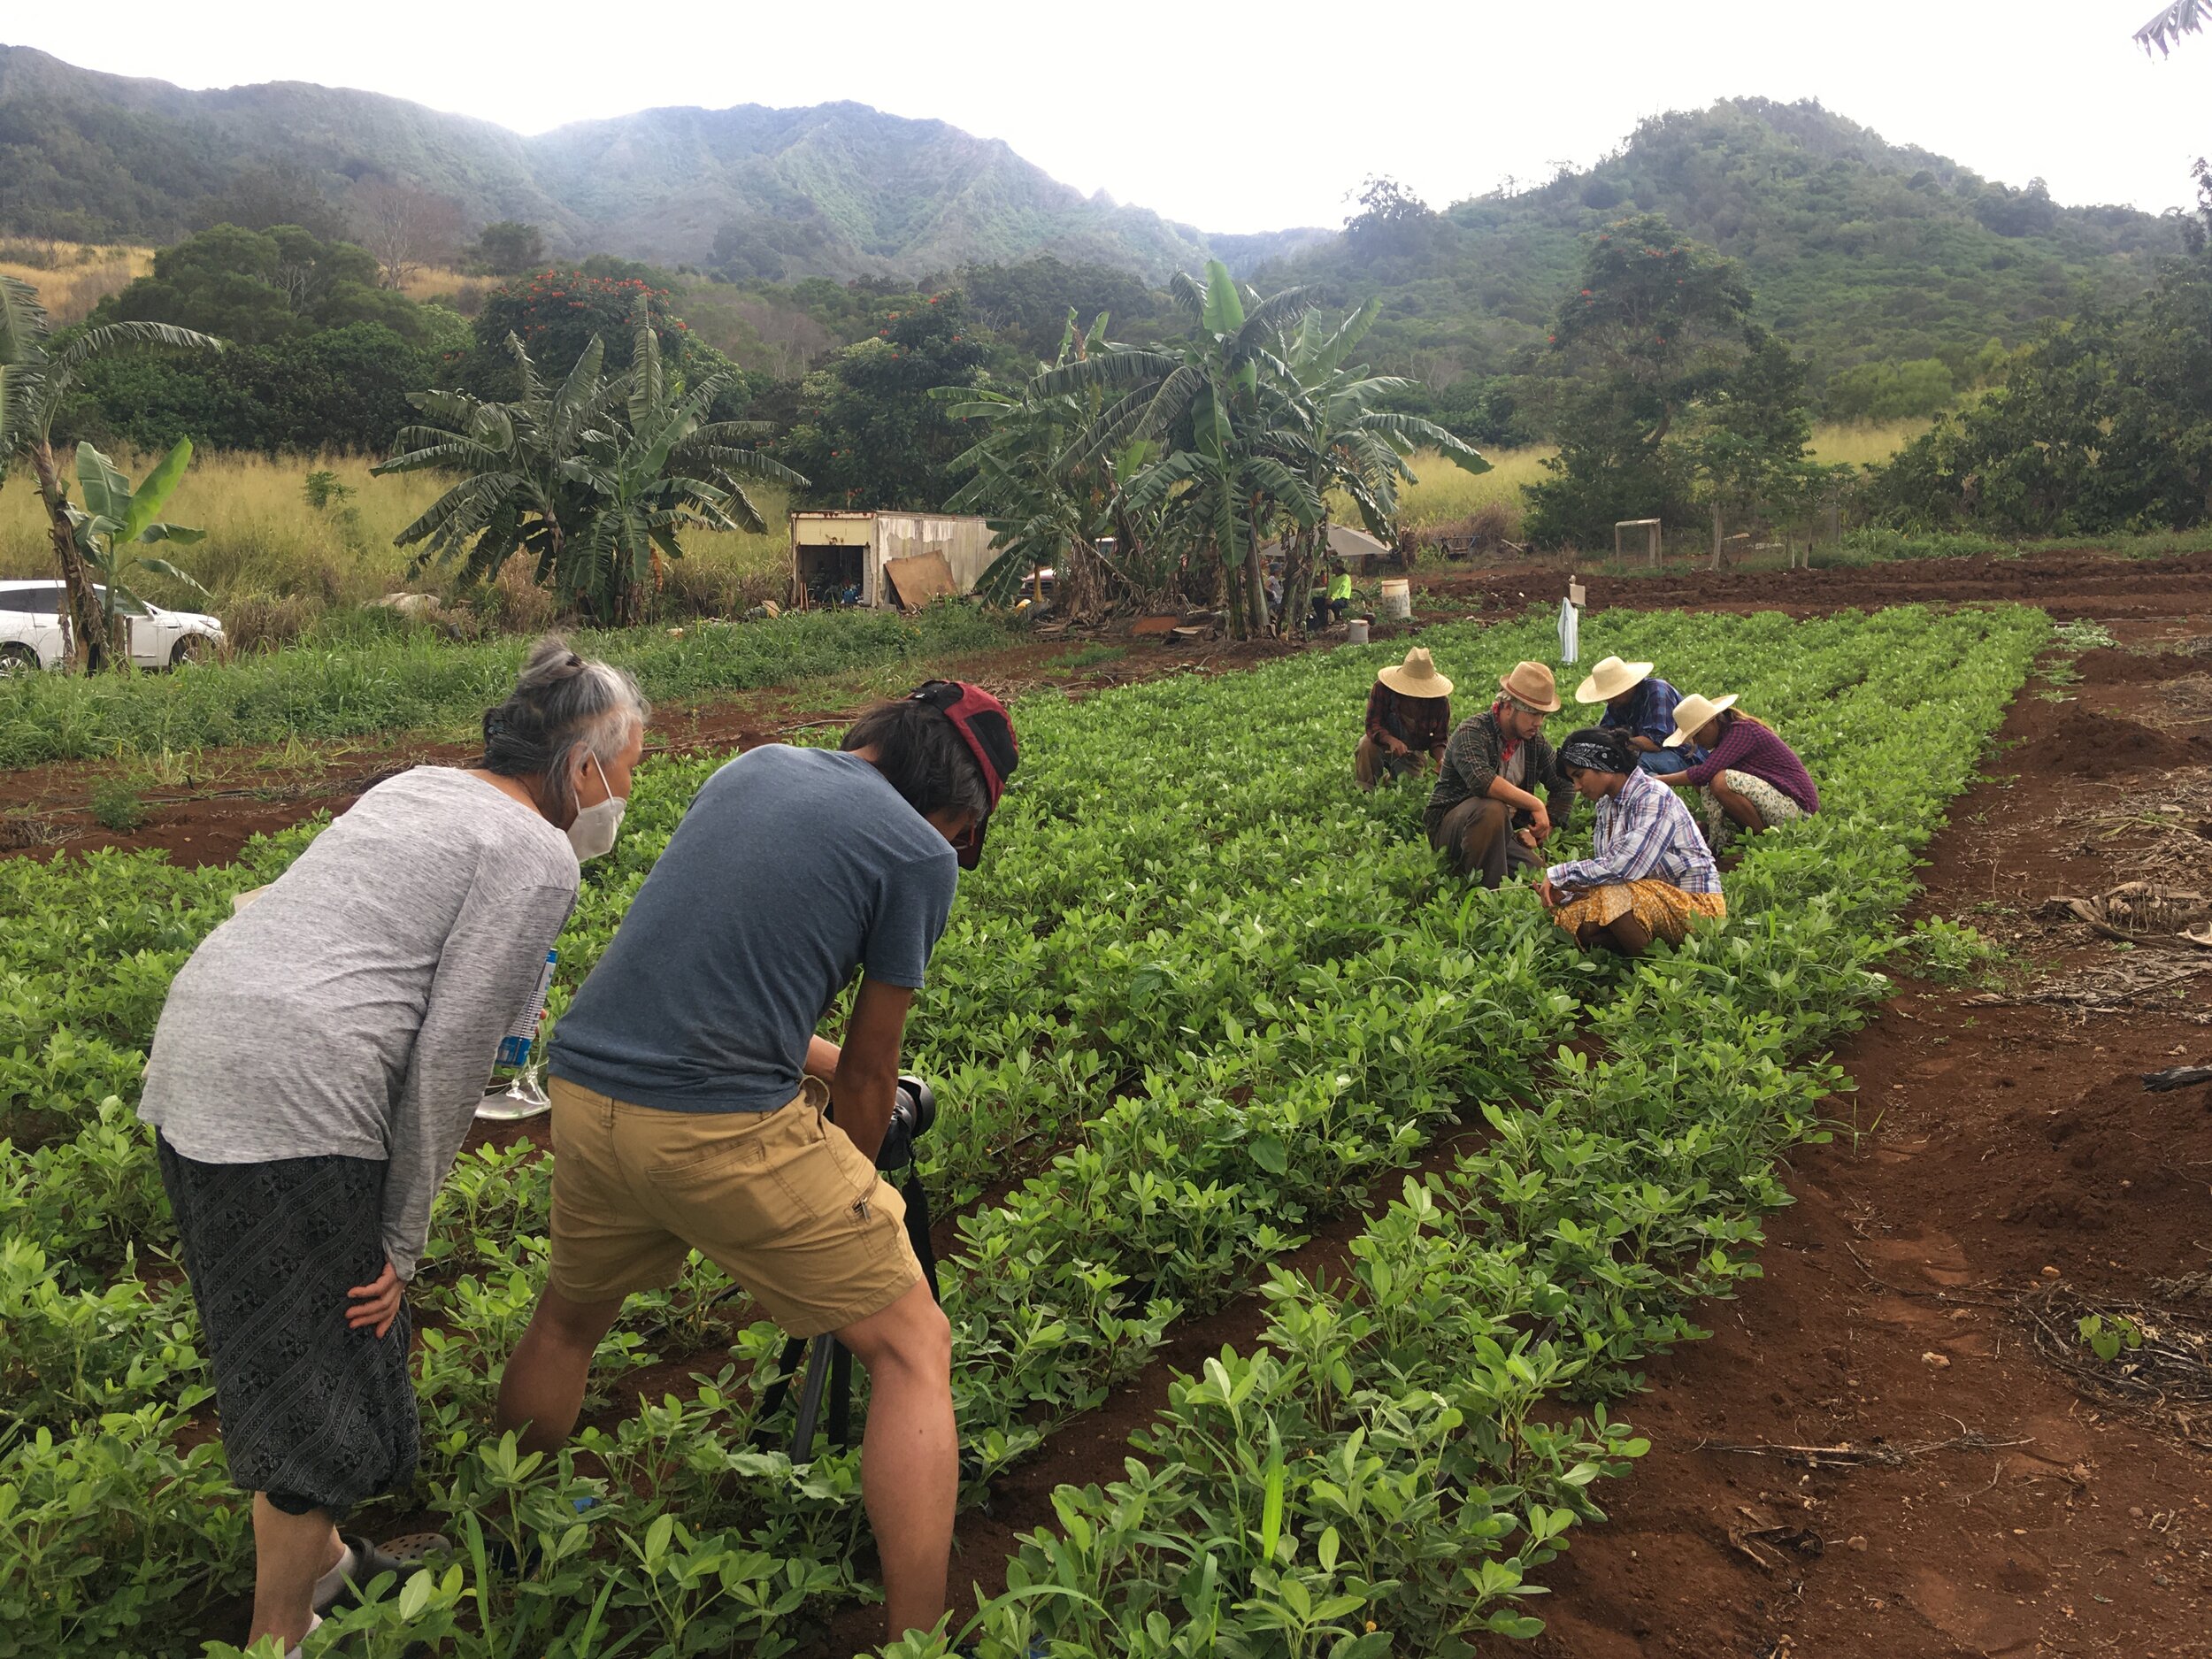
1609	678
1531	683
1693	711
1415	677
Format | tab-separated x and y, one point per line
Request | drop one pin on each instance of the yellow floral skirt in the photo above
1661	906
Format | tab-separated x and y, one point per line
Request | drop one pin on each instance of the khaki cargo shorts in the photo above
782	1202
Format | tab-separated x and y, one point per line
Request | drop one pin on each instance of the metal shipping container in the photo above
865	555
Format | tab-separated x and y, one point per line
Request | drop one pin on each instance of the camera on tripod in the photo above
825	1365
911	1115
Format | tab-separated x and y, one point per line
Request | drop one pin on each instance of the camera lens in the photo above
917	1096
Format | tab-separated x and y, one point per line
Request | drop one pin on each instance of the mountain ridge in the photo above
838	189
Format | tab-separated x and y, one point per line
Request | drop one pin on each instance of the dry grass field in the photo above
266	544
1445	494
70	278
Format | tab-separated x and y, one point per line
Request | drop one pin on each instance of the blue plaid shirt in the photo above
1650	713
1644	832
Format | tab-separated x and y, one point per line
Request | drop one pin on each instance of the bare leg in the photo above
910	1459
541	1390
1628	935
1738	808
290	1553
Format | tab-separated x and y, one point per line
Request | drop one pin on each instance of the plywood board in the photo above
918	579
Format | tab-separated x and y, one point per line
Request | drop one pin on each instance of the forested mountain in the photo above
1858	250
837	189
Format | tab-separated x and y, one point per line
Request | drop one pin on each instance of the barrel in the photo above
1397	600
1355	631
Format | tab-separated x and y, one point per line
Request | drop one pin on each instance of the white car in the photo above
33	633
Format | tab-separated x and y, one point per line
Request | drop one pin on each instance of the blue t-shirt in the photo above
1650	713
793	867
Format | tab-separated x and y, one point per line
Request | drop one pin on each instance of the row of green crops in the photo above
417	684
1207	993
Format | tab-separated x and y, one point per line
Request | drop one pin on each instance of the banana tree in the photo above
1347	446
35	378
592	480
118	518
1046	500
1219	404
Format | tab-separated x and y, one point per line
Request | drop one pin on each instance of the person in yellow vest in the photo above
1331	603
1408	720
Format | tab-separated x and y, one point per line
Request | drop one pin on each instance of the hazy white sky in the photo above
1263	118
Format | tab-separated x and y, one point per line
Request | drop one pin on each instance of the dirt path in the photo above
2068	585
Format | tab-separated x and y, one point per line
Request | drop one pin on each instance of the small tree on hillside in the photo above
405	227
508	247
1657	322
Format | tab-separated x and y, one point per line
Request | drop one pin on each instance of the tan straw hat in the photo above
1531	683
1415	677
1693	711
1609	678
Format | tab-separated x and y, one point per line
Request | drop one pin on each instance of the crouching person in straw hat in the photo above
1408	720
1483	811
1749	780
1641	707
1650	875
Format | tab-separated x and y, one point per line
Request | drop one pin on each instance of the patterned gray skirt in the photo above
314	1414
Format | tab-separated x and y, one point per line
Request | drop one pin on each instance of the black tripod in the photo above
828	1363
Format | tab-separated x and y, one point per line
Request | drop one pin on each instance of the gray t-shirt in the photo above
356	1007
792	868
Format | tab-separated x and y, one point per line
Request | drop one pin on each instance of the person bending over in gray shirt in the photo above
316	1067
689	1089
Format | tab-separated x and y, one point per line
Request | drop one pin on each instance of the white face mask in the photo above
593	831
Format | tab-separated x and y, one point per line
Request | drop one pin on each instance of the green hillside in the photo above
838	190
1858	250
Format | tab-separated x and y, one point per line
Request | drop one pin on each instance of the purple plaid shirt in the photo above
1644	832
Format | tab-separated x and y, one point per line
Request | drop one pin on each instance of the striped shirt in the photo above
1644	832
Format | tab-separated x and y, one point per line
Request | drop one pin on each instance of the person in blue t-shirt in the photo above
1641	707
689	1089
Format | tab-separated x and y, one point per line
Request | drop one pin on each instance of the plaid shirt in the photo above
1644	832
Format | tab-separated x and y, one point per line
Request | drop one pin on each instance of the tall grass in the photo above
413	682
70	278
265	542
1445	494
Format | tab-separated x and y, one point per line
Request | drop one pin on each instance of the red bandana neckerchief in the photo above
1505	745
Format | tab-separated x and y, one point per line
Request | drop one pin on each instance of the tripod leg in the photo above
840	1395
817	1370
787	1368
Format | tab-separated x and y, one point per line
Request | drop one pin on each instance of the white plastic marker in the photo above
1570	622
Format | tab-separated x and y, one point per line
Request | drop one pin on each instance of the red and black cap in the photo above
987	729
